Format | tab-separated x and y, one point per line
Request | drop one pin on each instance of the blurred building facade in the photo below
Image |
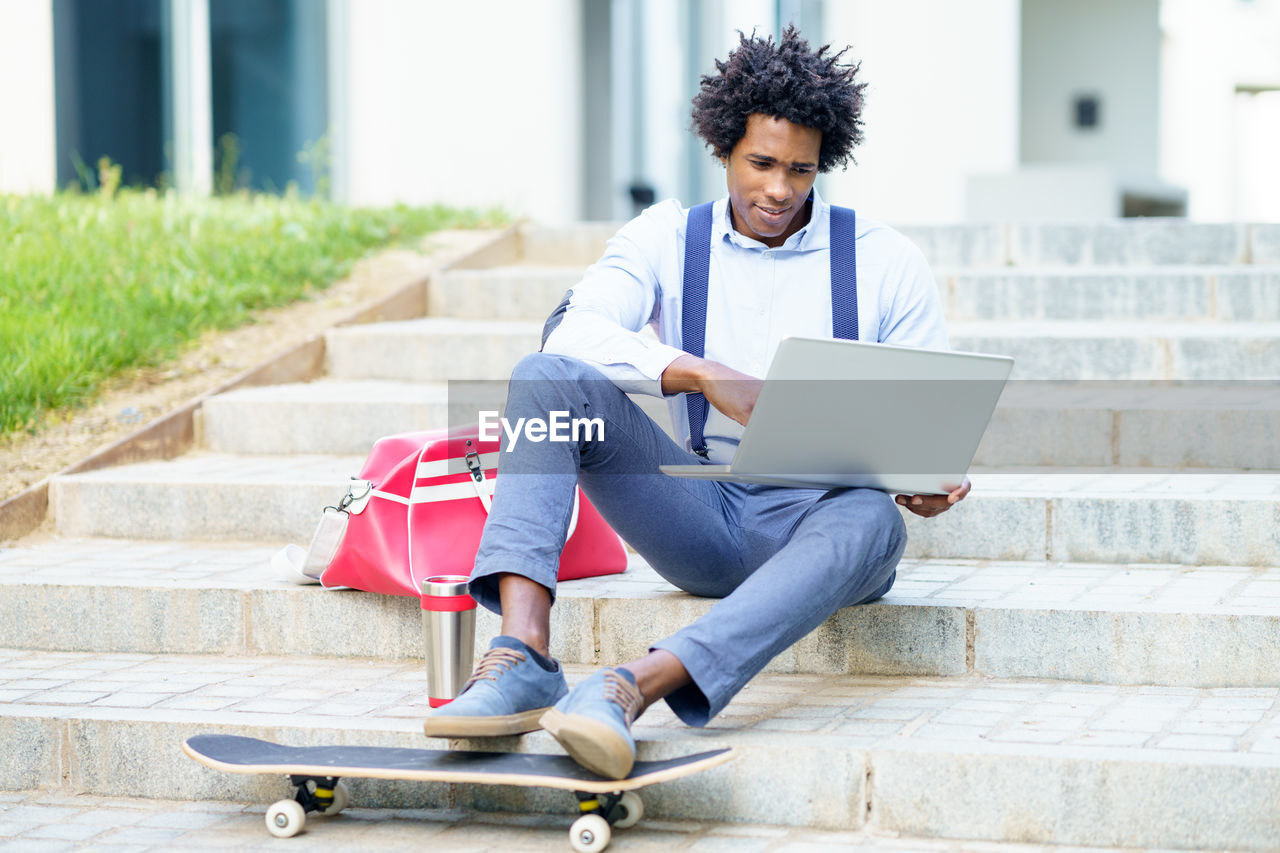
579	109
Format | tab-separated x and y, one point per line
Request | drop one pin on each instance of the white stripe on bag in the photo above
447	492
445	467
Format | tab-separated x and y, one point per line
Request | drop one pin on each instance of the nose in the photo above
777	187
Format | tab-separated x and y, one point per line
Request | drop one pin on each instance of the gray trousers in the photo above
780	560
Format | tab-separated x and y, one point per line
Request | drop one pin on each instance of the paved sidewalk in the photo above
50	823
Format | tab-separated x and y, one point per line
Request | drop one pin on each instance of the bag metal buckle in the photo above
473	465
352	502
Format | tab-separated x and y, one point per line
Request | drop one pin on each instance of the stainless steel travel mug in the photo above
449	627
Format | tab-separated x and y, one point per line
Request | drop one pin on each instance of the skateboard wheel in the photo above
632	810
589	834
286	818
341	799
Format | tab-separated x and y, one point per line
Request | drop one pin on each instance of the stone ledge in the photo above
1098	515
1216	626
1100	294
431	349
1030	761
1122	424
1149	241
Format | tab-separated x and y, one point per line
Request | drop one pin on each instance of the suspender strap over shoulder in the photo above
693	309
844	274
697	273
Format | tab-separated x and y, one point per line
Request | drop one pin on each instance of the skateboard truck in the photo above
323	794
316	794
591	832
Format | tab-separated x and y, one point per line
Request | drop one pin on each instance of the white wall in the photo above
1107	47
1213	142
26	96
467	104
942	102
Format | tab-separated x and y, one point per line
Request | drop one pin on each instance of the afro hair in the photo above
784	80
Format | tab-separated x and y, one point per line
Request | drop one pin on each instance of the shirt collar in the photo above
816	233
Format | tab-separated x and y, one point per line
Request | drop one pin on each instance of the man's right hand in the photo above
730	391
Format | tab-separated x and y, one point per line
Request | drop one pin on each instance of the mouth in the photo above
773	214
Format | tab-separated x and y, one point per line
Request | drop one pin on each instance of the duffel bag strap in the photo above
483	490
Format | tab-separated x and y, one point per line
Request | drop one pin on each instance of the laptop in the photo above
836	413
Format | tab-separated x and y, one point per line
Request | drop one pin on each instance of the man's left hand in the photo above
930	505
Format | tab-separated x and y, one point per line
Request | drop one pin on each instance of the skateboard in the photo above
316	770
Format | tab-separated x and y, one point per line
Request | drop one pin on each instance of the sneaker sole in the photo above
594	745
497	726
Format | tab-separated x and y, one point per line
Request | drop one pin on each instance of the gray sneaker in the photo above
593	723
506	695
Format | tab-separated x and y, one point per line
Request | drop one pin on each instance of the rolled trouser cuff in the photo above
698	702
484	578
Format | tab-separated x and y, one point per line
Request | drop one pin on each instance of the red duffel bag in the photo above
417	509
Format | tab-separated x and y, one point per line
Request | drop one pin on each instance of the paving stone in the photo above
960	245
64	832
1072	799
37	845
1064	351
235	498
1248	294
1265	243
329	417
577	245
1138	293
1130	424
523	292
1130	241
430	349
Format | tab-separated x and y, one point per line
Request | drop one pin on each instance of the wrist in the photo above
688	373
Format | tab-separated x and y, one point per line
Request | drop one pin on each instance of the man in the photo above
781	560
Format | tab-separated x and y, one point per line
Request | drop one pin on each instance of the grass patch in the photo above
95	285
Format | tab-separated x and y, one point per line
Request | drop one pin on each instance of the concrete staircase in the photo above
1086	651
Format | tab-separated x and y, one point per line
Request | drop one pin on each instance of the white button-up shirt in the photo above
756	296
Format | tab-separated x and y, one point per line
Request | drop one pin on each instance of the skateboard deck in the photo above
317	769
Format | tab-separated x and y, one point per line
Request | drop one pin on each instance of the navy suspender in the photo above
844	275
693	310
697	272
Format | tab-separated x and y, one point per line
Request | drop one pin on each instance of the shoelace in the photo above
618	689
494	662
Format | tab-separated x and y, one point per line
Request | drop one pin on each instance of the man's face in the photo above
770	173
